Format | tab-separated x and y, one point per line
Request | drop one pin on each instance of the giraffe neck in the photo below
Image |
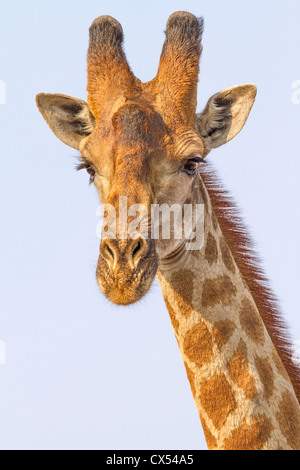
242	391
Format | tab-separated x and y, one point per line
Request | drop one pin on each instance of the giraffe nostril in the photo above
122	252
109	251
140	249
136	249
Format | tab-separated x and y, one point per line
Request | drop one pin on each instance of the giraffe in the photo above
146	142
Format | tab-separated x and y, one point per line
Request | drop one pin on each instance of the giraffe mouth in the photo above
123	285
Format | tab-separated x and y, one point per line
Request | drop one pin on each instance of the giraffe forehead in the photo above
143	123
139	127
137	124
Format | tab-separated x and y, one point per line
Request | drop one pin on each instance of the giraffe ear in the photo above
69	118
225	115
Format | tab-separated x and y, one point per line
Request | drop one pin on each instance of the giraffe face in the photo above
136	157
143	141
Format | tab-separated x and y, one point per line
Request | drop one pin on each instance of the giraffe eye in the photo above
191	167
192	164
90	171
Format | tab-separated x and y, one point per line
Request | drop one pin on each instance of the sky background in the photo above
82	373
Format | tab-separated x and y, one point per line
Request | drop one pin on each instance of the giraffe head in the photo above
143	141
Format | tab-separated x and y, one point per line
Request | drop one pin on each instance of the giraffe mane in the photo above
250	266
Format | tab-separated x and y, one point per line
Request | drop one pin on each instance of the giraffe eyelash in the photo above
88	167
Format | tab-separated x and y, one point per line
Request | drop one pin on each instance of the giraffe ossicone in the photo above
145	142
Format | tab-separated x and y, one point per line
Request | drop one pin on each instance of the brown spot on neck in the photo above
217	399
198	345
182	282
266	375
279	365
211	250
219	290
251	322
288	418
226	256
238	369
222	332
250	437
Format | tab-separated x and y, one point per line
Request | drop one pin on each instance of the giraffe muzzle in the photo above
126	269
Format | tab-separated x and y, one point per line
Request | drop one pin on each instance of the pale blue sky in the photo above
81	373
